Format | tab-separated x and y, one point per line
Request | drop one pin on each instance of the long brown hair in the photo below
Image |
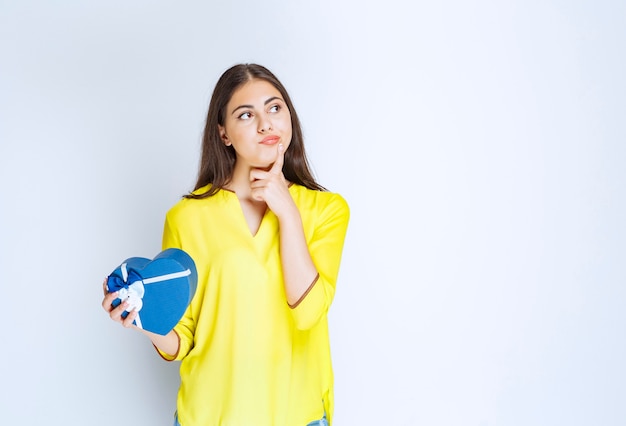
218	160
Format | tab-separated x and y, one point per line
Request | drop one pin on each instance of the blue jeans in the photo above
320	422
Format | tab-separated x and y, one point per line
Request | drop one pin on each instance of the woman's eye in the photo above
275	108
245	116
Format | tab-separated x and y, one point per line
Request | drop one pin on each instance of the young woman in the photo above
267	241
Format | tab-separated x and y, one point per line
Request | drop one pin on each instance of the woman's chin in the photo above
264	165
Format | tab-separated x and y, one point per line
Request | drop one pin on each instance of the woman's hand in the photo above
168	343
116	313
271	186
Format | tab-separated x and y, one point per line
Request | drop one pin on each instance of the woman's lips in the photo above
270	140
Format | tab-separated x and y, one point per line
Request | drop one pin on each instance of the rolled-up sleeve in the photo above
325	246
186	326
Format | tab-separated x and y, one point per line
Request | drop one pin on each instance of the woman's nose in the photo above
264	124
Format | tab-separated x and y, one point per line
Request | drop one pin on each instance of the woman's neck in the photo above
240	182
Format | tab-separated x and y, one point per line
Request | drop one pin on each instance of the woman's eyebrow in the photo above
273	98
241	106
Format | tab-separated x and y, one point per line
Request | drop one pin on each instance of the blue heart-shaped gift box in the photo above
160	289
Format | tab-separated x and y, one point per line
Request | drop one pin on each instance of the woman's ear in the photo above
223	135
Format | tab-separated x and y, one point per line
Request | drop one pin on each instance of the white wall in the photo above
481	147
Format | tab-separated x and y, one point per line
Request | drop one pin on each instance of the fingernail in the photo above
281	147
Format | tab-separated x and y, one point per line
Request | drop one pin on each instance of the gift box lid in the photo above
159	289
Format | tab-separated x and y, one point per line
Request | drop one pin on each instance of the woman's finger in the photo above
108	299
128	321
258	174
104	286
116	313
277	167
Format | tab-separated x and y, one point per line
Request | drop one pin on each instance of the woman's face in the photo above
256	121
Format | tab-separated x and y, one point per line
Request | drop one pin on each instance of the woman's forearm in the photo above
168	344
299	271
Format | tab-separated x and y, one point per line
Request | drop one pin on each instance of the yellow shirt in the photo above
248	359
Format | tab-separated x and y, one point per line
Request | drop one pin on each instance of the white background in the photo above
480	145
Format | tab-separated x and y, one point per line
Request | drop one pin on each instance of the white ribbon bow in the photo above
133	295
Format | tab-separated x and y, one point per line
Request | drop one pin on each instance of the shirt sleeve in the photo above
326	247
185	328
